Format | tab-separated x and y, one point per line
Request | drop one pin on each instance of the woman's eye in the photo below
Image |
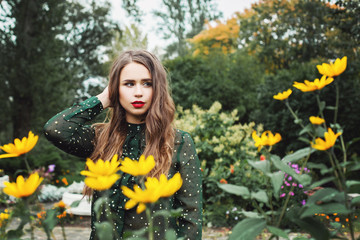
129	84
148	84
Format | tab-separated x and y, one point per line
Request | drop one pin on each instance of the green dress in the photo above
68	131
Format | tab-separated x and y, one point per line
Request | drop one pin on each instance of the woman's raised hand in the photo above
104	98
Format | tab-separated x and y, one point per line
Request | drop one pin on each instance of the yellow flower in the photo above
266	139
316	120
23	188
308	86
136	168
333	69
282	96
60	204
102	174
154	189
4	216
19	147
330	139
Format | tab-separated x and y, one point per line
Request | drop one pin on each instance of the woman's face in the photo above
135	91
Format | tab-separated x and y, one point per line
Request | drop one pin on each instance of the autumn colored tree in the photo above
222	37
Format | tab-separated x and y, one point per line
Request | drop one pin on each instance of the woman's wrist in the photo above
104	99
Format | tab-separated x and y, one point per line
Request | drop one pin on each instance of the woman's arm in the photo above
67	129
189	197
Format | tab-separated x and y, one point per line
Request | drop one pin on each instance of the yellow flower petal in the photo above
137	168
316	120
282	96
267	139
140	208
101	183
333	69
20	146
328	142
23	188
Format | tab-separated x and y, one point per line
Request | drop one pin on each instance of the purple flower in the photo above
290	178
282	195
51	168
303	202
300	186
294	184
282	186
291	193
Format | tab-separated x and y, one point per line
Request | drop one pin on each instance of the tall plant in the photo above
332	193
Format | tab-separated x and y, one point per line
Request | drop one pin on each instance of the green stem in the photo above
335	170
320	110
344	152
293	114
27	164
291	189
63	230
336	102
151	224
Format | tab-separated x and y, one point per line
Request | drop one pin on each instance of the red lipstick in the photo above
138	104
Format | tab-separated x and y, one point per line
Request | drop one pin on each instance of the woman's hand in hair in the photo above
104	98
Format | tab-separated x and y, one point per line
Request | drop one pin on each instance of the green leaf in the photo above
261	196
170	234
316	165
277	231
234	189
355	200
306	129
351	183
251	214
321	182
328	208
277	179
298	155
320	131
104	230
303	179
248	229
316	229
263	166
323	195
75	203
330	108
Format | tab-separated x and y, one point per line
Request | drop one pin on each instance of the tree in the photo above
47	49
223	37
184	19
280	32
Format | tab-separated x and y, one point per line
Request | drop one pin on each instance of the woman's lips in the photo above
138	104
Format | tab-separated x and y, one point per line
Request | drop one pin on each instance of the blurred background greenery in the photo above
55	53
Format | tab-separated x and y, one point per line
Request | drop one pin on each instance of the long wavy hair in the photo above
159	132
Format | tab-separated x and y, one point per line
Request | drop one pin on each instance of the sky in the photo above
228	7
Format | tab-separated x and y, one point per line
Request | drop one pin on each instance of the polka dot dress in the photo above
68	131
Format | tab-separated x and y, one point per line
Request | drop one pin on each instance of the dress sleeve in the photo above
67	129
189	196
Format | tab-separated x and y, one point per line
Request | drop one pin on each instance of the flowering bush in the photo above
224	147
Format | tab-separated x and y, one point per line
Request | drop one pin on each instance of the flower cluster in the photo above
289	182
103	174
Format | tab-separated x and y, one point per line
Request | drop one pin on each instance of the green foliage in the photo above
46	54
184	19
224	147
328	196
229	79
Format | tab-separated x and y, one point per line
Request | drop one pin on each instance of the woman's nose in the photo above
138	91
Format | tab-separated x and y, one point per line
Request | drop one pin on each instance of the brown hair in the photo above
159	131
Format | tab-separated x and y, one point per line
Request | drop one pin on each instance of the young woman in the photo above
141	117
